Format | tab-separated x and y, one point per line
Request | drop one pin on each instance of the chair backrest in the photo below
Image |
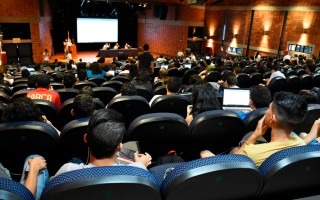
18	140
65	112
173	103
277	84
20	93
306	81
4	97
212	76
252	118
294	83
212	178
157	84
158	133
121	78
71	140
10	189
97	81
82	84
67	93
113	84
130	107
56	85
160	90
173	72
256	78
112	182
5	88
291	173
144	92
105	94
313	114
19	81
49	109
19	87
216	130
243	80
316	80
186	76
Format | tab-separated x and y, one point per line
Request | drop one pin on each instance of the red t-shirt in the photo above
45	94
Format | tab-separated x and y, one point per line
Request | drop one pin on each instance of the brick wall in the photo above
27	11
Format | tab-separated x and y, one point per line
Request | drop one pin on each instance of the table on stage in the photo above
117	52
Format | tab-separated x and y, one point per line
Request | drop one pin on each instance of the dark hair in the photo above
32	81
58	77
25	73
146	47
69	80
174	84
95	67
22	109
43	80
260	96
128	89
82	74
204	98
133	71
83	105
143	76
87	90
232	80
105	132
310	96
291	109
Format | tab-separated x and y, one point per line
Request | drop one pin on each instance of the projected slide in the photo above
94	30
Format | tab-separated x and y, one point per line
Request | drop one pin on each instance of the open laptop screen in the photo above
236	97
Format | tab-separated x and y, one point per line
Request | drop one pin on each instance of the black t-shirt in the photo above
145	60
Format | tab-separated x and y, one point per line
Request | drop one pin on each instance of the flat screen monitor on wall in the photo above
96	30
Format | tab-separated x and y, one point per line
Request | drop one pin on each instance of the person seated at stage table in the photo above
95	71
106	46
127	46
116	46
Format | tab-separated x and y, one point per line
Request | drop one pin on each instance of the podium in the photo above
73	49
3	58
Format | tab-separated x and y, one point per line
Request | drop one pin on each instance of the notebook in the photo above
237	99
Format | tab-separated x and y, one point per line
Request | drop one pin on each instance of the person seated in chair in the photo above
83	106
260	97
173	86
285	112
105	132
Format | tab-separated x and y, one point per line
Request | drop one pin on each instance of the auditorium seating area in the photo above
160	128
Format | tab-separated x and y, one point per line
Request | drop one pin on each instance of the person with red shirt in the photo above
43	92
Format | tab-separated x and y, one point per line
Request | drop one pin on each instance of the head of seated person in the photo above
173	85
42	81
82	75
260	97
87	90
58	78
69	80
25	73
22	109
128	89
310	96
32	81
204	98
83	106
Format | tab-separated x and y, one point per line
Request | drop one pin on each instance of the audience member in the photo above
173	86
143	78
105	132
204	99
274	68
260	97
310	96
95	71
146	60
127	89
285	112
43	91
69	80
83	106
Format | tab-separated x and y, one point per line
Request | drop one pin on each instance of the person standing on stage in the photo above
65	48
146	59
46	56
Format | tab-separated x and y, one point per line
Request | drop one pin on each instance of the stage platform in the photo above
117	52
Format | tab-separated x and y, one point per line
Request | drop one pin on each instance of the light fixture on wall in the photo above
265	32
305	30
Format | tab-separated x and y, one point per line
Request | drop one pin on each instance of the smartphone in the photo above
127	154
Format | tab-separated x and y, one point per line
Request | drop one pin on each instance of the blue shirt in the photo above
90	75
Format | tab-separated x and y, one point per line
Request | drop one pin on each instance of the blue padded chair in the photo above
13	190
291	173
278	84
115	84
18	140
71	140
216	130
97	81
160	171
219	177
49	109
81	84
159	133
67	93
112	182
105	94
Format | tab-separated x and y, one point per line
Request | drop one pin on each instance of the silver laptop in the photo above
236	99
